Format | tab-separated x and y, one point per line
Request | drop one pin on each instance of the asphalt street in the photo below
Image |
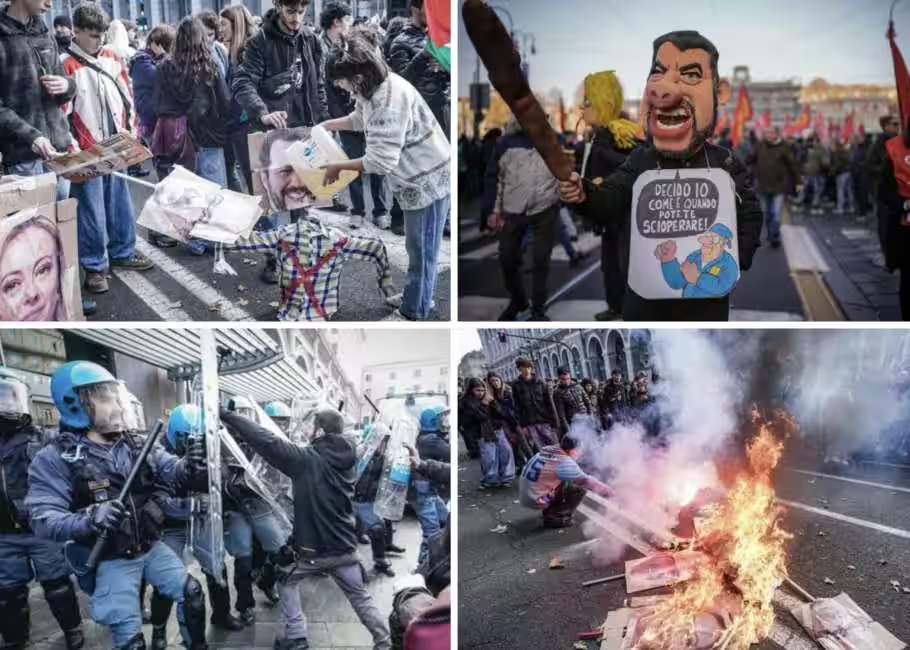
804	279
856	535
184	287
331	620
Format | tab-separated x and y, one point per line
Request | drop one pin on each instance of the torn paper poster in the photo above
662	569
839	624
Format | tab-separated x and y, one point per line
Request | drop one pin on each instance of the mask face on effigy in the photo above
681	95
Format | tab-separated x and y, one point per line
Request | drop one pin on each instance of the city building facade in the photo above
586	353
473	364
428	375
867	102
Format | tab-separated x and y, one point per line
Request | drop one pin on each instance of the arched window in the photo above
565	359
640	347
577	371
555	361
596	359
546	368
616	353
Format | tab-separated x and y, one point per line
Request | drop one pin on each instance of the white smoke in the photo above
841	388
698	395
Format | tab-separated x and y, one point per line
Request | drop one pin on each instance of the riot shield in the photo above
374	434
303	413
207	520
255	482
280	482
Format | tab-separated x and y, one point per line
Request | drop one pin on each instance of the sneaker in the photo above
271	594
196	247
607	314
227	622
384	567
96	282
396	300
247	617
395	550
136	262
384	222
291	644
74	639
505	484
512	311
355	221
398	316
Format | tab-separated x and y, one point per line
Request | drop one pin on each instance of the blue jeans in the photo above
771	205
115	601
106	223
423	239
210	165
24	557
496	460
366	514
354	145
36	168
176	540
817	182
239	530
845	191
431	513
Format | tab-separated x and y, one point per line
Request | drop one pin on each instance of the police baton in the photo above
95	557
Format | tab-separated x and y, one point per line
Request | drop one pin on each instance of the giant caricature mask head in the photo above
682	93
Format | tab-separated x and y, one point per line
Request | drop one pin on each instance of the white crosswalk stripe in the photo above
164	307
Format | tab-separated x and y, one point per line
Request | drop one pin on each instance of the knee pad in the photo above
193	595
60	595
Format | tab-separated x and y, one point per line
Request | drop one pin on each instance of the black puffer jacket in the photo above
533	402
570	401
479	417
615	397
605	157
28	52
282	72
340	103
408	59
610	203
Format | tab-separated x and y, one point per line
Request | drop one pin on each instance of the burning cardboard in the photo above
662	569
839	624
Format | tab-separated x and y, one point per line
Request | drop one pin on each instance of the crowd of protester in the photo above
192	92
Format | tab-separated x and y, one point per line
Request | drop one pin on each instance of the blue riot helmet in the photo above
90	397
186	420
435	419
280	414
14	401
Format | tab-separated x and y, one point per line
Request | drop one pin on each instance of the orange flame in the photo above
747	546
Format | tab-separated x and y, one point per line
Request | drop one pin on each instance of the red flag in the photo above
848	128
901	77
788	127
741	115
803	120
723	121
819	125
439	19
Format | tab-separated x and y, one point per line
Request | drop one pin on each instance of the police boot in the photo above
14	618
194	613
389	544
266	581
159	637
136	643
243	583
60	595
380	563
220	598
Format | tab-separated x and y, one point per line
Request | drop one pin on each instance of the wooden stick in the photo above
799	590
600	581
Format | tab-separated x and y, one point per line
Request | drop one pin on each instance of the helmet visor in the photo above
14	402
109	407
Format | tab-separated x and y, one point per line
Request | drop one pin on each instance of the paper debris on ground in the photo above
580	645
556	563
501	528
662	569
829	581
839	624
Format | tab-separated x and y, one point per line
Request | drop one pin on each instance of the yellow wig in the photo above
604	93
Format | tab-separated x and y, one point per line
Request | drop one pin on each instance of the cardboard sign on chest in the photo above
683	236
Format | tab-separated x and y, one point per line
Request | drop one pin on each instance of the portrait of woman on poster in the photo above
30	271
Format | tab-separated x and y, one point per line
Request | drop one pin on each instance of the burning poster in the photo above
286	168
839	624
662	569
112	155
185	206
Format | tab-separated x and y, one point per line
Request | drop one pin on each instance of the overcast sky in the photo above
465	341
840	40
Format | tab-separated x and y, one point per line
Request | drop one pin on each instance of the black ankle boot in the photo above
159	637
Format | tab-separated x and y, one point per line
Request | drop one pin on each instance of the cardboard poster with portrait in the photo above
39	262
114	154
286	170
683	238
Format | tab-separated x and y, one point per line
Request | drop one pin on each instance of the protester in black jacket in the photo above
33	90
481	413
615	397
410	58
281	82
570	400
324	538
534	406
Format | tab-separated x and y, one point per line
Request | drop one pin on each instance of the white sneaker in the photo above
355	221
383	222
396	316
396	300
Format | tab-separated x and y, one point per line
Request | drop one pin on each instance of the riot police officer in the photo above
23	556
280	414
73	497
432	444
186	421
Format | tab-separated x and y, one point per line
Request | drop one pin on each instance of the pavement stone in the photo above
332	623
